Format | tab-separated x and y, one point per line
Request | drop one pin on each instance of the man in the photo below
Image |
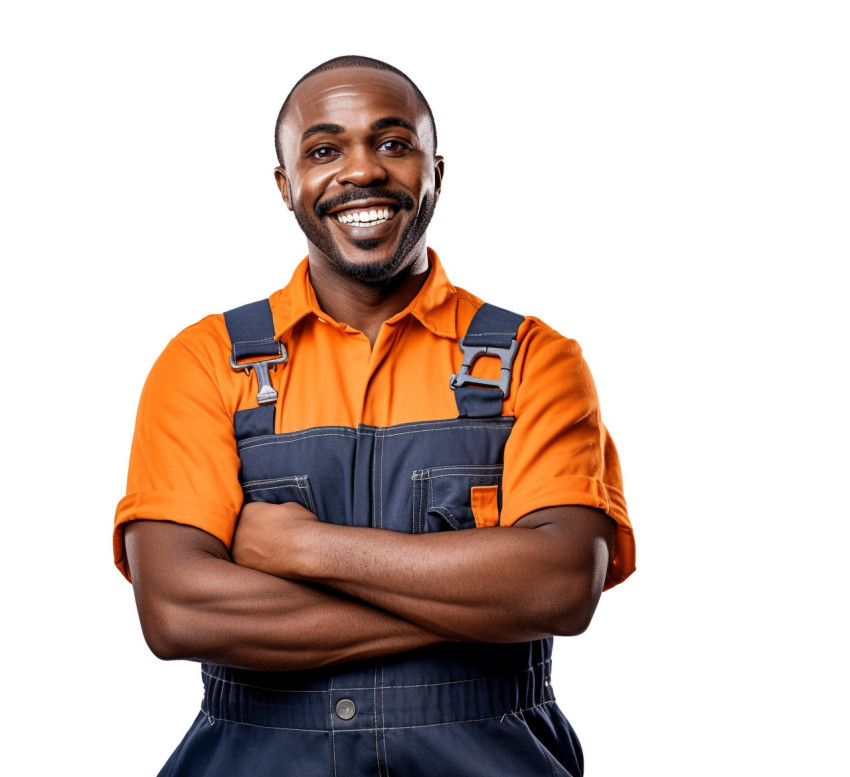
370	562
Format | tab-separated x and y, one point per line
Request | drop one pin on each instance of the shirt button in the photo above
345	709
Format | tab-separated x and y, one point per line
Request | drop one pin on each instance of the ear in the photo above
283	185
439	171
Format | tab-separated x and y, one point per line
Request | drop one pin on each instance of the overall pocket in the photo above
292	488
463	496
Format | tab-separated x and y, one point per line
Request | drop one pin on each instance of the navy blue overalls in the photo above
449	709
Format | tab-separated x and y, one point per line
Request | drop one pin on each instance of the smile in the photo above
366	218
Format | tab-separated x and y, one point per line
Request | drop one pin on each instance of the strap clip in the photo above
266	394
471	354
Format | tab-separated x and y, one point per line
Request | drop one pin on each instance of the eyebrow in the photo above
377	126
332	129
392	121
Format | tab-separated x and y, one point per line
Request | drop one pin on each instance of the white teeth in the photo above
366	218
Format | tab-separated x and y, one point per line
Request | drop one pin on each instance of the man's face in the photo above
361	175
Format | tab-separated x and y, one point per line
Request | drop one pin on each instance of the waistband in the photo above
406	692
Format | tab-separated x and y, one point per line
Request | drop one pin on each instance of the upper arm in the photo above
559	451
170	567
183	462
586	535
161	552
579	546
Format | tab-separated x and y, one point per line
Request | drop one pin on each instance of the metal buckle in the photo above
471	354
266	394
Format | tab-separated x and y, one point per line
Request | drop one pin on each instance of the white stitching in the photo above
276	439
256	687
384	724
373	466
387	728
418	507
463	475
248	443
524	670
381	481
446	428
261	340
276	487
438	426
331	716
375	718
284	480
456	467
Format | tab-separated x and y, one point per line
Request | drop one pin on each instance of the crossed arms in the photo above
296	593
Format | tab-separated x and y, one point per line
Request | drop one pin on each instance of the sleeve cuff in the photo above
189	509
586	491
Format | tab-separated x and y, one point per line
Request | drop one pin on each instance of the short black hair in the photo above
349	60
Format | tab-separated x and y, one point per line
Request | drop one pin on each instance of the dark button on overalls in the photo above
448	709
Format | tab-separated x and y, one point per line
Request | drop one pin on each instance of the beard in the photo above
382	269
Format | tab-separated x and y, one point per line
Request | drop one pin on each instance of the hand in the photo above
267	535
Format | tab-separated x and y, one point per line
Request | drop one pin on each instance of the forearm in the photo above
483	585
501	584
208	608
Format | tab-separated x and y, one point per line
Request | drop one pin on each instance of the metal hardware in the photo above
345	709
266	394
472	353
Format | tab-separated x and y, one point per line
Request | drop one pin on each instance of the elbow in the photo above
162	645
575	609
168	633
573	622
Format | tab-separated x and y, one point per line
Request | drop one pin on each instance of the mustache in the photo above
403	200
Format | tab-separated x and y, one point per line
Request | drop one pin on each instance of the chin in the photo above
377	271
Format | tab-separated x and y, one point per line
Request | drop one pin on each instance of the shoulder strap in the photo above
492	332
251	331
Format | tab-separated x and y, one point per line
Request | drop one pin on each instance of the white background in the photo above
667	182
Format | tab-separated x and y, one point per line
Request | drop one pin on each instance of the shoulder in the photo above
537	341
532	331
203	339
195	367
535	337
208	340
199	348
544	358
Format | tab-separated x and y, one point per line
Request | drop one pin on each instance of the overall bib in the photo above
451	709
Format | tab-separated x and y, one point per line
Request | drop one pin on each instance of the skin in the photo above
294	592
540	577
349	132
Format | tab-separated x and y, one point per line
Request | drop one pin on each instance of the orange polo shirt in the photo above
184	466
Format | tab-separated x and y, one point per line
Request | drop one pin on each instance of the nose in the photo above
361	166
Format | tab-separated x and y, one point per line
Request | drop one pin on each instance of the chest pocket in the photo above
294	488
456	497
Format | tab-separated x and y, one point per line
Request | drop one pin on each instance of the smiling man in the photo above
368	502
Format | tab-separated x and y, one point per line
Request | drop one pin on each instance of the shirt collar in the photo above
435	306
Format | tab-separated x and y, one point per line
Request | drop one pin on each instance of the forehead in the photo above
353	98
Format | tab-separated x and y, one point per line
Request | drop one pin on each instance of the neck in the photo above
364	305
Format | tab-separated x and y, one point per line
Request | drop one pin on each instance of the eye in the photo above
393	147
323	153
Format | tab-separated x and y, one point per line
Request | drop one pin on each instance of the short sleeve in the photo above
559	452
183	462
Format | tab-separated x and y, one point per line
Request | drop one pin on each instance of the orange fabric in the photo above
485	505
183	462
